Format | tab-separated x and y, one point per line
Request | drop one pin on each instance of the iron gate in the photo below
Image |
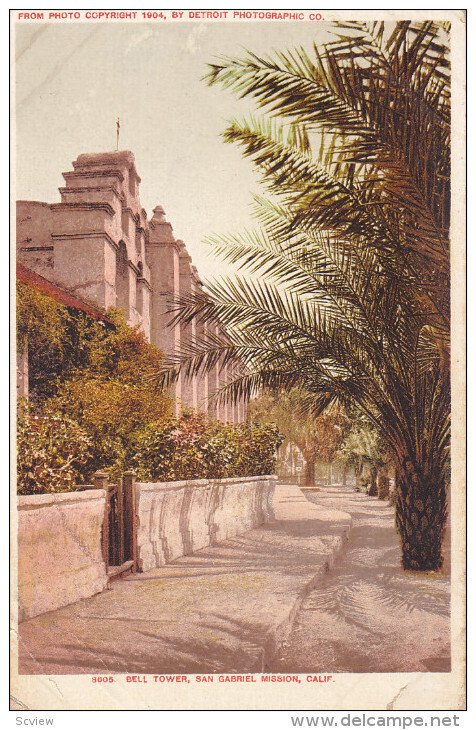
119	544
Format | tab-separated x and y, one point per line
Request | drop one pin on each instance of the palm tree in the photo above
344	292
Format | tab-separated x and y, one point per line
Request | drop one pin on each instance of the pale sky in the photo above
74	80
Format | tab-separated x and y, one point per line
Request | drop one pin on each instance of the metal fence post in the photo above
130	518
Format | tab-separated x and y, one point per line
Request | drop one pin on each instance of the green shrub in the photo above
96	404
55	453
65	343
256	445
52	450
97	374
110	411
193	448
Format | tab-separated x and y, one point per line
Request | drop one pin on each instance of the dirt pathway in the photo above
368	615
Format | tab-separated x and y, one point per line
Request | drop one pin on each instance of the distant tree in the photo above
364	446
317	437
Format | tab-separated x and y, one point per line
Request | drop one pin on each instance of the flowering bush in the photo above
51	451
193	448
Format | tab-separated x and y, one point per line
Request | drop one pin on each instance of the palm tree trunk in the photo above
359	468
421	511
309	472
373	481
383	483
344	475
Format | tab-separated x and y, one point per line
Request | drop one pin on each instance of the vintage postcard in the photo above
239	246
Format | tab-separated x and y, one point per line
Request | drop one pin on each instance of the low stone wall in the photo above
59	556
177	518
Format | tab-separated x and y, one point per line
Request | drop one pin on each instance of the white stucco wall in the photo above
60	559
59	550
178	518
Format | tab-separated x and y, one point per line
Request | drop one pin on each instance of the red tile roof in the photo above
26	276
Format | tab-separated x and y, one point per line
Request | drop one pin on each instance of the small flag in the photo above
118	126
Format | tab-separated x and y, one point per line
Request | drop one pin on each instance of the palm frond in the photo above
344	293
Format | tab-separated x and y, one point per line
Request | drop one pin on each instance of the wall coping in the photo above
193	483
34	501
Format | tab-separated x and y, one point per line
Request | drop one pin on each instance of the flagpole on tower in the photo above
118	127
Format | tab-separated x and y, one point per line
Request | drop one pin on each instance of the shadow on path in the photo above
368	614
